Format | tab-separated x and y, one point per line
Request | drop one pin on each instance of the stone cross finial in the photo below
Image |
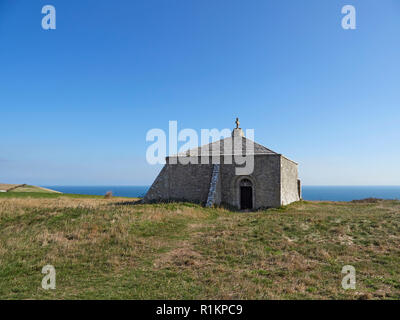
237	123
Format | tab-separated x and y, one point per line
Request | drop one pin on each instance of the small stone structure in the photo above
195	176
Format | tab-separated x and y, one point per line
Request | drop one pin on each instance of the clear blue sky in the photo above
76	102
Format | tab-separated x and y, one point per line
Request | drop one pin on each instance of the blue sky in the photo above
76	102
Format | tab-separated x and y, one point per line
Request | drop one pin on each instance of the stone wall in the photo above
159	190
265	179
289	184
267	173
214	192
189	182
274	182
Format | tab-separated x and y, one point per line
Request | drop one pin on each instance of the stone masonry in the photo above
274	181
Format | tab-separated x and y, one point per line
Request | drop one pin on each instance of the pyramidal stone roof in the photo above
237	144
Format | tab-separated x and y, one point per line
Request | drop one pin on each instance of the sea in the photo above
321	193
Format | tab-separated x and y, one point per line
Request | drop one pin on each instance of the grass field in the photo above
25	188
112	249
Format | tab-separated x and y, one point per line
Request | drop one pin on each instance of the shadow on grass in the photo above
127	203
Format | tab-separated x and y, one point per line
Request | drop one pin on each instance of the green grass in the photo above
108	249
30	189
49	195
15	188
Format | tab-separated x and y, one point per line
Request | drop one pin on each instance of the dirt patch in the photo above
183	256
60	238
367	200
345	239
291	261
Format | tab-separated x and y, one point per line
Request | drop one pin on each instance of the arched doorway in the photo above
246	194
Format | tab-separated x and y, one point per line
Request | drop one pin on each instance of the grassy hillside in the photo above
25	188
115	250
50	195
6	186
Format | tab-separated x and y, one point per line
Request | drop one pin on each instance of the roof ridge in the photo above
207	149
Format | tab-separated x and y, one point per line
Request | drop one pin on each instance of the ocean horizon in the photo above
314	193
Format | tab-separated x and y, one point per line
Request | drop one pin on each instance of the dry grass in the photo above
109	248
25	188
5	186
